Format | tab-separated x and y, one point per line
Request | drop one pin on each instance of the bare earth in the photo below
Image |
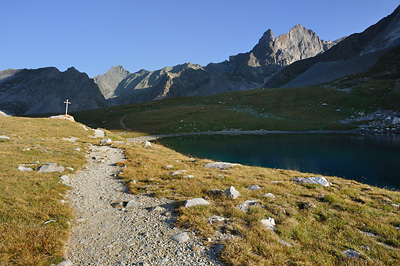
104	235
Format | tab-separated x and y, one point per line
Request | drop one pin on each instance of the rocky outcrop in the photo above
44	90
109	81
353	55
241	72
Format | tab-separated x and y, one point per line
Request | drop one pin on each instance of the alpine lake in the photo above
373	160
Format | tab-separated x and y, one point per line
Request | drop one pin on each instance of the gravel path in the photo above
137	235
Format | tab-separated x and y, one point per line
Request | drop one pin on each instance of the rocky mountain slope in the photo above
353	55
241	72
44	90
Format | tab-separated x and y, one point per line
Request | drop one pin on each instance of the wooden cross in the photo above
66	106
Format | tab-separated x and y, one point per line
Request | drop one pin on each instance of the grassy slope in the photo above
270	109
29	199
319	235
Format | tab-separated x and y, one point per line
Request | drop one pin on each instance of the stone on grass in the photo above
368	234
195	202
220	165
49	168
269	223
245	205
188	176
320	180
181	238
98	133
215	218
64	179
309	205
70	168
268	195
232	193
254	187
3	137
24	169
351	254
179	172
169	166
147	144
105	141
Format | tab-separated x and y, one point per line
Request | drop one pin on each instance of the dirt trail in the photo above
139	235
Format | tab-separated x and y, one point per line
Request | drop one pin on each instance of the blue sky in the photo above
95	35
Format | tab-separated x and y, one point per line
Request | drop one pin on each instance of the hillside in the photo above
44	90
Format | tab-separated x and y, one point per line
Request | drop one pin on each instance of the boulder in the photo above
320	180
195	202
64	117
232	193
220	165
269	223
49	168
181	238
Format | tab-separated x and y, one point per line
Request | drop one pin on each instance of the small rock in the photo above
4	137
368	234
105	141
169	166
77	149
220	165
66	263
269	223
132	182
232	193
147	144
243	207
195	202
181	238
98	133
395	205
351	254
268	195
309	205
285	243
64	179
157	209
220	176
132	204
312	180
49	168
26	149
188	176
70	168
24	169
179	172
254	187
275	182
215	218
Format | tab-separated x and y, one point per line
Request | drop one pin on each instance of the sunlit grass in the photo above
319	235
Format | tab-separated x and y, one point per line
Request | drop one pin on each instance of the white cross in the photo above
66	106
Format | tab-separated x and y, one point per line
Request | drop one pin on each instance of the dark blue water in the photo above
374	160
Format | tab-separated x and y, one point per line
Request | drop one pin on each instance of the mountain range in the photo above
297	58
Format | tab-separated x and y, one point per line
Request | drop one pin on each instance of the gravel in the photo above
107	235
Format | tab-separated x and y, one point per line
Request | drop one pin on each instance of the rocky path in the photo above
136	233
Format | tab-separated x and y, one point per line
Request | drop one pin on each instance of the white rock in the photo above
351	254
269	223
105	141
188	176
98	133
254	187
232	193
285	243
215	218
220	165
158	209
268	195
169	166
179	172
70	168
49	168
181	238
320	180
24	169
77	149
4	137
195	202
243	207
147	144
64	179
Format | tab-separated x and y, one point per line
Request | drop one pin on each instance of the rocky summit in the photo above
241	72
44	90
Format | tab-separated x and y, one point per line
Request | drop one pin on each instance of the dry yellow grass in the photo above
319	235
30	199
